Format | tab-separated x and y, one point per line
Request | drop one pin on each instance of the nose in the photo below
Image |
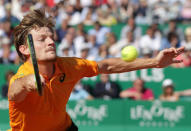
50	41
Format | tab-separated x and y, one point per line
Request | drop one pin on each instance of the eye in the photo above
41	39
52	37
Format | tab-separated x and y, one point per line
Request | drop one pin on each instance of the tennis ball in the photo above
129	53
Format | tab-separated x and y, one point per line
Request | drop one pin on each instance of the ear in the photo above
24	50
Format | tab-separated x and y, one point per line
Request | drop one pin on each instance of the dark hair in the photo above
33	20
172	35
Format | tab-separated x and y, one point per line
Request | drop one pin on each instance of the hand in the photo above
30	82
137	95
167	56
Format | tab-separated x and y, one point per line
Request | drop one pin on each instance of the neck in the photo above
168	94
46	68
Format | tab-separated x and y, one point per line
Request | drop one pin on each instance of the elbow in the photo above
109	67
114	69
105	68
11	96
14	95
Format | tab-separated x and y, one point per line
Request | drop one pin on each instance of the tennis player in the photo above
30	112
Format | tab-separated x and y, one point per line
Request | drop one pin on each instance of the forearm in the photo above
116	65
126	94
185	93
17	91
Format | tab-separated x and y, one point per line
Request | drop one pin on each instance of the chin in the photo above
51	58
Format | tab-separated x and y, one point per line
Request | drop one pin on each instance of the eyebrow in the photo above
44	35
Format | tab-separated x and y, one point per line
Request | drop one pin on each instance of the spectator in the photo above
185	12
13	20
106	89
2	9
62	31
100	33
78	7
138	91
131	27
79	40
6	55
67	41
4	87
85	53
111	39
147	53
114	10
150	41
74	16
157	31
141	12
64	50
103	53
94	47
89	21
172	40
187	40
7	28
125	10
173	28
115	49
169	94
142	8
79	93
105	18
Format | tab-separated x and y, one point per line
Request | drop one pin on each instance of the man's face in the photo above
44	44
168	90
138	85
104	78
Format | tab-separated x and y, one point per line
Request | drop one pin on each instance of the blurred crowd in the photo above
84	28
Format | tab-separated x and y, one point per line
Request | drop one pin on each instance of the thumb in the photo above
42	80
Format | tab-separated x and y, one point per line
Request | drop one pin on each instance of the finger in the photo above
174	50
42	80
177	61
181	49
169	50
166	51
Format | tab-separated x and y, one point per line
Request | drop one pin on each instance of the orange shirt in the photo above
48	112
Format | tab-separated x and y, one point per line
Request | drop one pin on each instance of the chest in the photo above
56	93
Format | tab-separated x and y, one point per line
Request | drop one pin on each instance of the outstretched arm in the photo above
163	59
184	93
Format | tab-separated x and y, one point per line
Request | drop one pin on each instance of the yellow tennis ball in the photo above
129	53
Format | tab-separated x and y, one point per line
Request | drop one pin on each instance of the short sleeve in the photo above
16	76
80	67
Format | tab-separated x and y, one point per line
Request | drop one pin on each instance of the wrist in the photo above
155	63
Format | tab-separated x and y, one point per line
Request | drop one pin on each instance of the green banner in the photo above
130	113
122	115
